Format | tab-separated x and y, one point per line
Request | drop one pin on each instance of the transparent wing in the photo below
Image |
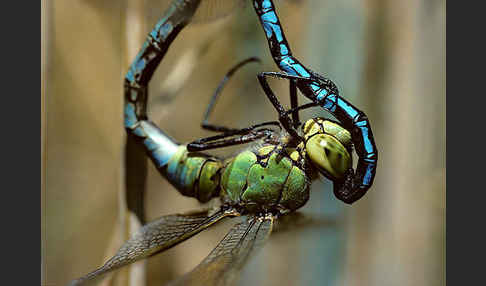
210	10
156	237
224	263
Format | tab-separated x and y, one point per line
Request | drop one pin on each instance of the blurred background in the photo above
387	57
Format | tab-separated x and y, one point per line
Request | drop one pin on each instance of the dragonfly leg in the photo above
202	145
294	102
247	135
294	107
284	118
302	107
319	83
218	128
296	78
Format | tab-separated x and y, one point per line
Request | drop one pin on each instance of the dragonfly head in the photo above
328	146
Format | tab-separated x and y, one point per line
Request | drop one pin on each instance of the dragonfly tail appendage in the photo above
356	184
324	92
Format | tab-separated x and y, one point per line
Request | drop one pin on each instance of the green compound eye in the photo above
328	155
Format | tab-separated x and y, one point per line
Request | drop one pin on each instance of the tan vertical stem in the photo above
44	21
128	223
134	35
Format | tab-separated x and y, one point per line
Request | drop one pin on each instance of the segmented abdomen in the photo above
194	174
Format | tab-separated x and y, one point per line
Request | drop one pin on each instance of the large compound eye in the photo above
328	155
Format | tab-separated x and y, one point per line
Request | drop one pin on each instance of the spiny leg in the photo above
283	115
205	124
318	86
292	90
243	139
247	135
294	103
302	107
293	80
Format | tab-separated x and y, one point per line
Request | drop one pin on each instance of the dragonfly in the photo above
264	183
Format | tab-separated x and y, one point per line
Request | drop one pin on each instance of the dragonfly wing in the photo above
223	264
210	10
156	237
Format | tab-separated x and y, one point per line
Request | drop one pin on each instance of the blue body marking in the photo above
159	146
324	92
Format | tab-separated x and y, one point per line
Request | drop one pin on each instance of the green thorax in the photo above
263	180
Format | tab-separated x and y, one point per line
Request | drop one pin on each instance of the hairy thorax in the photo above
267	178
